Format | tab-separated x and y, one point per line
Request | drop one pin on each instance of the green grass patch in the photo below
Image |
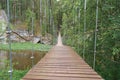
26	46
17	74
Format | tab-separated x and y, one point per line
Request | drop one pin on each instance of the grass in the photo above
17	74
25	46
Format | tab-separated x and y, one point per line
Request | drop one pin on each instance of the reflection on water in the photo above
20	59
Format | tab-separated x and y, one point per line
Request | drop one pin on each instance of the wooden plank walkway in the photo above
62	63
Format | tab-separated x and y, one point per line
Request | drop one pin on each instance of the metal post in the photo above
9	42
95	34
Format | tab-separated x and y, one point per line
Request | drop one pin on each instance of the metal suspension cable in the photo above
49	5
73	22
41	17
50	9
32	17
54	33
45	15
85	2
73	13
51	21
79	24
53	26
95	34
9	35
32	57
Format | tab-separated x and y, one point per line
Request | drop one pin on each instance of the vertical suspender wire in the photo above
73	23
73	13
85	2
15	12
41	19
53	27
45	15
79	25
95	34
49	4
32	57
32	17
54	33
51	20
9	33
50	16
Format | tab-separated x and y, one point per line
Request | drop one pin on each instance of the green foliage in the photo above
2	27
29	15
17	74
69	14
108	38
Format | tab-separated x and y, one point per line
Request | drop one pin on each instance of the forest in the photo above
76	20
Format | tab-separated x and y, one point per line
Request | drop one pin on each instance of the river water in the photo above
20	59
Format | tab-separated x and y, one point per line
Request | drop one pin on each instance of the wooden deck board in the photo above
62	63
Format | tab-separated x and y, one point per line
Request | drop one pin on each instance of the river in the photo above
20	59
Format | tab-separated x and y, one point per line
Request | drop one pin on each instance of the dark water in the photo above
21	59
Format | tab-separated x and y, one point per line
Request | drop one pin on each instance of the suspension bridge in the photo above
61	63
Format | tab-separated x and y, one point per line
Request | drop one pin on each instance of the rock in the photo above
3	25
20	36
47	39
36	39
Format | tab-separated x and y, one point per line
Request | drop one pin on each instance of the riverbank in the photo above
17	74
25	46
20	49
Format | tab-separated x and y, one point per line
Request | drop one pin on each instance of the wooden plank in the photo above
62	63
64	71
30	77
66	75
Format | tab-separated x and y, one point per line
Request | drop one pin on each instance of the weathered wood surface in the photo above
61	63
